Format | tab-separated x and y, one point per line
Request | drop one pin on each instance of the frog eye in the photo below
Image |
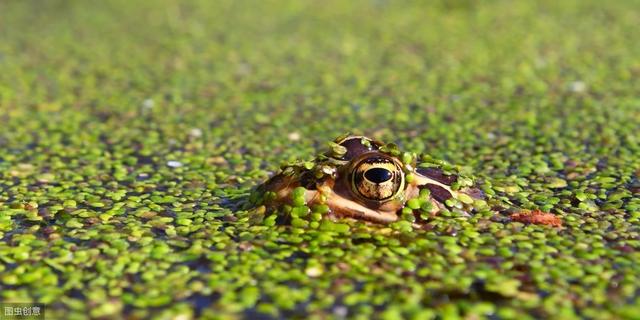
377	178
355	146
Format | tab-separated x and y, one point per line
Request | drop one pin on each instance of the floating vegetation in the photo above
537	217
132	135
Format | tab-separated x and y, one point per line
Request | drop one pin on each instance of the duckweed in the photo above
132	134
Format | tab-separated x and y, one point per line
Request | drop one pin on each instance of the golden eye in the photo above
377	178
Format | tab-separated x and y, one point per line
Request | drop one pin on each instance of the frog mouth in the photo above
337	198
345	207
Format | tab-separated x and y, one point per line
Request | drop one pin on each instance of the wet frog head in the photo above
362	178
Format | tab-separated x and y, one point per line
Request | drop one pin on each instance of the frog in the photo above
362	178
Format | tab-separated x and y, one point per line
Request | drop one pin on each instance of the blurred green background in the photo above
130	131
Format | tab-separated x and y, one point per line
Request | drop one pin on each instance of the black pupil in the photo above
378	175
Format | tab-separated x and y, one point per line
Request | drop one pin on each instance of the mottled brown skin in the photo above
338	193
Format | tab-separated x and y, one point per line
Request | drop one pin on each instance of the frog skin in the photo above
364	179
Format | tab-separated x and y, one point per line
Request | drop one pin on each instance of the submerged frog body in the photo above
362	178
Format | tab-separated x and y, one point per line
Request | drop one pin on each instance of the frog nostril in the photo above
378	175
